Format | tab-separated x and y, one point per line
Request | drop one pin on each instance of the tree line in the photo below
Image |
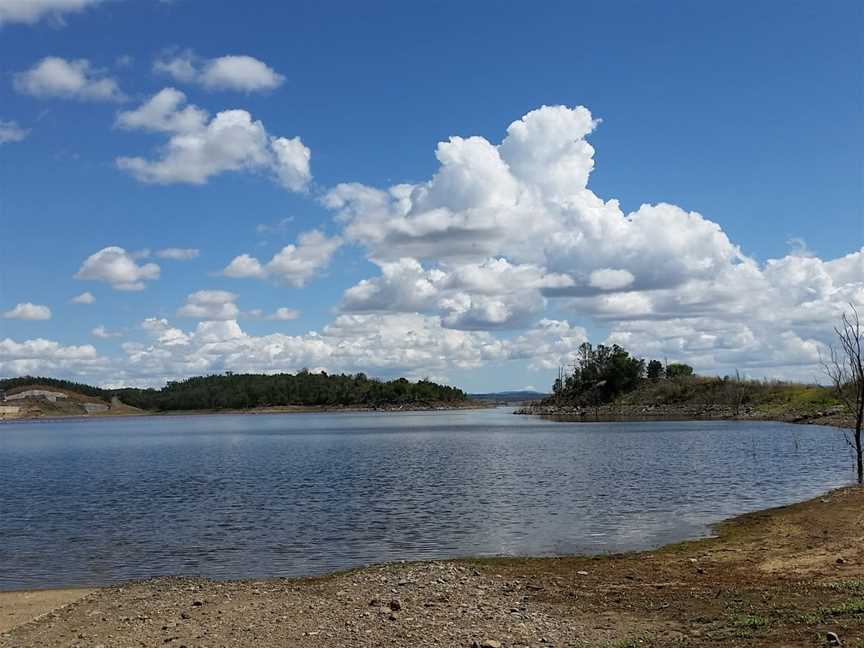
242	391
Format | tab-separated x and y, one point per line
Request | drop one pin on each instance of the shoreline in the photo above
769	574
259	411
659	413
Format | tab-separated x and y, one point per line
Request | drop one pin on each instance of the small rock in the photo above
490	643
185	615
395	605
832	639
582	573
375	602
840	561
197	603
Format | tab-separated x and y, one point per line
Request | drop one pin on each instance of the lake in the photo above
98	501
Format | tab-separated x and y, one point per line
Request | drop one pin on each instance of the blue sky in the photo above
747	113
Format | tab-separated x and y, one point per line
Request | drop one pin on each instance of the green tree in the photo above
678	370
655	370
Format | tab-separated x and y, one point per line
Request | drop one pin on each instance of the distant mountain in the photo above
509	396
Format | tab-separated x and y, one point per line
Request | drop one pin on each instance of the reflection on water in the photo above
101	501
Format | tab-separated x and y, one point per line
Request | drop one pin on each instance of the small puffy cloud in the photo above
103	334
210	305
163	113
200	147
240	73
84	298
178	254
28	311
73	79
180	67
32	11
294	264
233	72
164	333
10	131
117	267
284	314
244	267
610	279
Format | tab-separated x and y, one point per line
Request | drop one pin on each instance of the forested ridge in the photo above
242	391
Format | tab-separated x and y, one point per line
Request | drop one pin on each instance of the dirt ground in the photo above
784	577
20	607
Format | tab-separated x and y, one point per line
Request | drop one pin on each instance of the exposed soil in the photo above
784	577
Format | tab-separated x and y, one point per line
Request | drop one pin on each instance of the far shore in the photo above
784	576
709	412
276	409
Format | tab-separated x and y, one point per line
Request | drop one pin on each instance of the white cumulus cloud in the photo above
200	147
232	72
210	305
293	264
32	11
84	298
47	357
284	314
28	311
525	203
117	267
67	79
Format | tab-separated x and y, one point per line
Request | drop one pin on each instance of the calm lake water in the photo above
86	502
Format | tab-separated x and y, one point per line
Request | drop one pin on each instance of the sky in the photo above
460	191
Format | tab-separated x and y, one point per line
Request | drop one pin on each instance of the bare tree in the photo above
845	368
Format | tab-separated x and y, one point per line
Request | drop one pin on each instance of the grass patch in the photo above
854	585
850	607
750	621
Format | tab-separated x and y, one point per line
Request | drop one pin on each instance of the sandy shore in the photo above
783	577
17	608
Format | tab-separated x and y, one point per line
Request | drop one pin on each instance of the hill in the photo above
45	398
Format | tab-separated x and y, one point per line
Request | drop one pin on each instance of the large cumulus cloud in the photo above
524	205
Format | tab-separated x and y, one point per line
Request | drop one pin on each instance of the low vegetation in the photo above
610	375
